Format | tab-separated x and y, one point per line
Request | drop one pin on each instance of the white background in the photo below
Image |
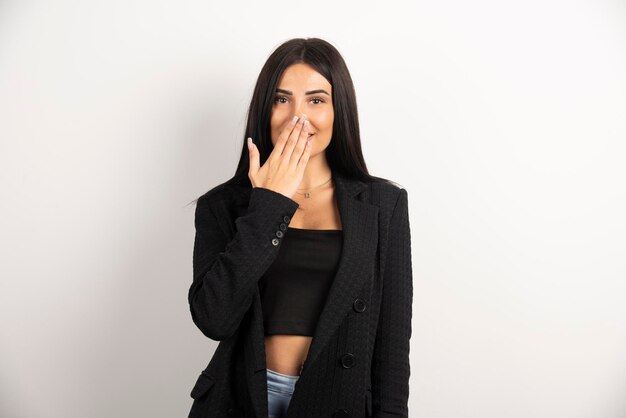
505	121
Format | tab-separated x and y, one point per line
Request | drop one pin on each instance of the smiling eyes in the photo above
278	98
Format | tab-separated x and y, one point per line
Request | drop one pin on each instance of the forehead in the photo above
302	77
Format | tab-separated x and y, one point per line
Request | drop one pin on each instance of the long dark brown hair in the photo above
343	153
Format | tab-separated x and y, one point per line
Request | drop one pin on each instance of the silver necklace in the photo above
307	194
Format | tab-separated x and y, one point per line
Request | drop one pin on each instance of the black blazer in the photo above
358	362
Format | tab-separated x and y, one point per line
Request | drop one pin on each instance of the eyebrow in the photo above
290	93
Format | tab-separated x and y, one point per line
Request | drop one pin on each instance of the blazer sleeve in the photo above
390	359
226	272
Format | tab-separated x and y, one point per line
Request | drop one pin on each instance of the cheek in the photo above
325	120
331	117
275	123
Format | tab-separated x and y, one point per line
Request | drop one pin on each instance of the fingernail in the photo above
294	120
249	143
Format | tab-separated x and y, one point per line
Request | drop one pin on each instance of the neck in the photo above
316	172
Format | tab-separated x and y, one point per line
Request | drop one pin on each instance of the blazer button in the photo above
348	360
286	219
283	227
279	234
359	305
341	413
275	241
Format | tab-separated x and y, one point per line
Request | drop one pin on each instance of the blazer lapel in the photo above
356	265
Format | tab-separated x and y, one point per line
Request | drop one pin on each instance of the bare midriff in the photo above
286	353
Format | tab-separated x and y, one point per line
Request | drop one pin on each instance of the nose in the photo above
298	114
299	110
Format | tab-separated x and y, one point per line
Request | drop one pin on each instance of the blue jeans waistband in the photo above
281	382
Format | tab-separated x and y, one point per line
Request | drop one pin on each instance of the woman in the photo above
302	260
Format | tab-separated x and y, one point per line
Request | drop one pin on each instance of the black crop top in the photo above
294	288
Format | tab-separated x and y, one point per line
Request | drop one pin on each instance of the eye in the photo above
278	99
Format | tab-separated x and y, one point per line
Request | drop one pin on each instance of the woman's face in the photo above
300	90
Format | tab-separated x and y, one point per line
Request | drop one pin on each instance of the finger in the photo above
304	159
293	139
253	152
301	144
282	138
